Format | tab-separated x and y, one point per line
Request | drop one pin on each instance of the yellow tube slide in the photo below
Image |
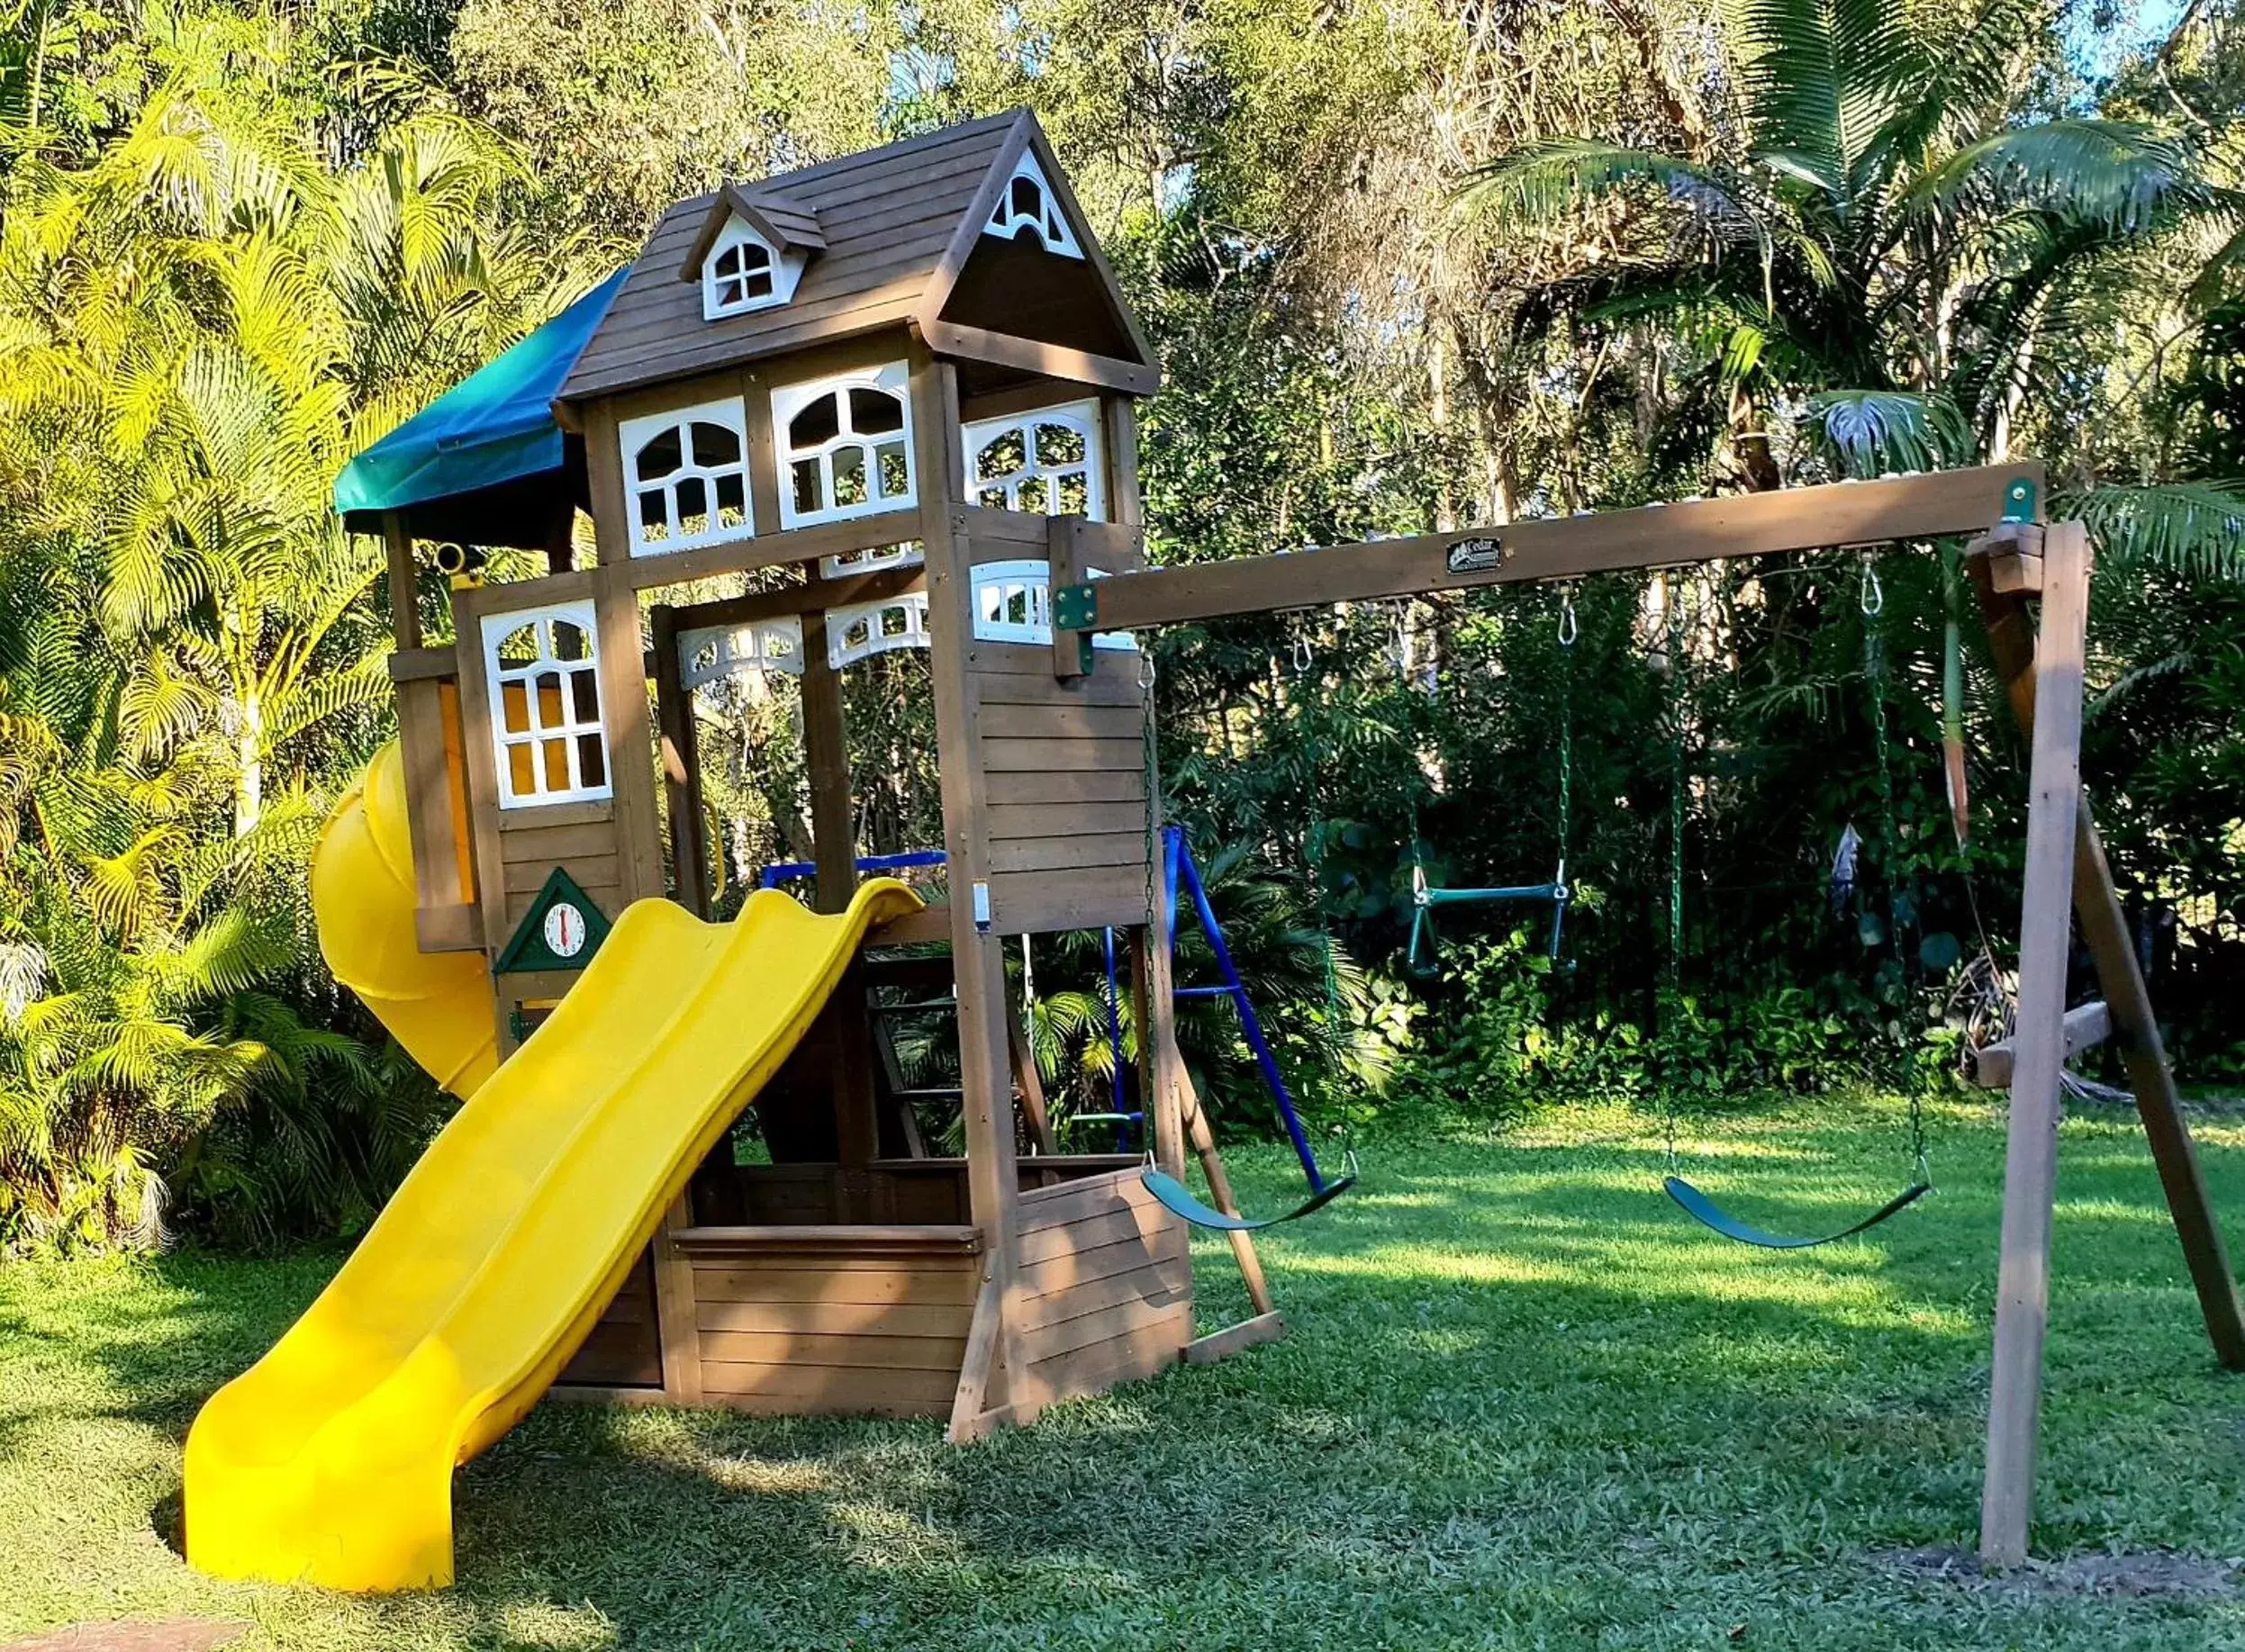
330	1460
438	1006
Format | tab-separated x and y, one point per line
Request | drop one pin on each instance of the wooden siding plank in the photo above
794	1387
837	1287
833	1318
1055	1275
1097	1367
1050	820
1096	852
1162	1284
590	871
1023	786
872	1353
1039	902
999	688
556	845
1061	722
1039	756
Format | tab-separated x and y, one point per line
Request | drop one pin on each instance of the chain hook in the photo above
1302	657
1145	669
1568	628
1874	598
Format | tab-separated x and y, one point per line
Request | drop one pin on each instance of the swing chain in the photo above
1672	986
1569	630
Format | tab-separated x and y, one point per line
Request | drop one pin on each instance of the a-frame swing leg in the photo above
2064	857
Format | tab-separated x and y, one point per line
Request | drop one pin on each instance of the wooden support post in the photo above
826	755
1220	1192
675	1323
1030	1081
978	963
2031	1161
397	545
1161	1079
2157	1102
2119	977
682	767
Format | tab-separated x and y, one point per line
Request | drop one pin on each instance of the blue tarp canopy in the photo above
485	463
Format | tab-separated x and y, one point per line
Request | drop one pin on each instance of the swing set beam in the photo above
1736	525
2013	559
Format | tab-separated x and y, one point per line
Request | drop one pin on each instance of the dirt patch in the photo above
2155	1573
135	1635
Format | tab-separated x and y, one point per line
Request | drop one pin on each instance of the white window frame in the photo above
999	587
1081	416
863	629
787	270
893	379
634	434
765	646
496	629
1050	220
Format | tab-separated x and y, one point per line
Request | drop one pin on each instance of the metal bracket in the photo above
2019	499
1076	607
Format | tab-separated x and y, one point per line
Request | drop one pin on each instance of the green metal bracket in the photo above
1083	653
2019	499
1076	607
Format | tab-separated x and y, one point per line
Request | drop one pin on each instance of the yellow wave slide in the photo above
330	1460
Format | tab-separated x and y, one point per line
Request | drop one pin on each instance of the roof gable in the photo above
896	223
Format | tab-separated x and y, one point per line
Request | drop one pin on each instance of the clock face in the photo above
565	930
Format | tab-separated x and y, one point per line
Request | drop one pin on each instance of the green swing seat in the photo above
1704	1210
1182	1201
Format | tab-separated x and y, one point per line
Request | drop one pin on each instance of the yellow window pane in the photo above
555	754
515	707
521	772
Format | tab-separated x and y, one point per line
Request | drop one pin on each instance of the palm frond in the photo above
1872	432
1543	182
2194	528
2113	173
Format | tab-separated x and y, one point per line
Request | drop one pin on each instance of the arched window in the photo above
1029	204
1048	460
744	272
686	475
543	671
845	447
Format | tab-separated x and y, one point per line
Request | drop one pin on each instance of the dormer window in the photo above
745	273
750	252
1028	205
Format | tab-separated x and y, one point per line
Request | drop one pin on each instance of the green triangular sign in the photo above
561	931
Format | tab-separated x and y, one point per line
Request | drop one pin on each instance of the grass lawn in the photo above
1525	1403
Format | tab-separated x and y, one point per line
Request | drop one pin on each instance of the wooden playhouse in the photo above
905	381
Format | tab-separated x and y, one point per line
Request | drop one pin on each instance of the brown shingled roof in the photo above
888	217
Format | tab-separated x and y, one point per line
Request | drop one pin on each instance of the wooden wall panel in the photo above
825	1330
581	838
625	1350
1106	1283
1064	771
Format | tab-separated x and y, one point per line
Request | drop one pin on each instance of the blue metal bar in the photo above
779	871
1178	863
1205	992
1114	1038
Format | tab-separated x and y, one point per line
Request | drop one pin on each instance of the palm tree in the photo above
1878	238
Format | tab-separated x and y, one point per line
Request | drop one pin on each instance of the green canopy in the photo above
485	463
